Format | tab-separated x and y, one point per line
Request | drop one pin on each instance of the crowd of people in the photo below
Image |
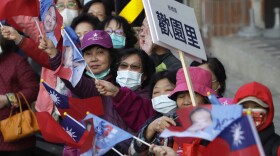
142	85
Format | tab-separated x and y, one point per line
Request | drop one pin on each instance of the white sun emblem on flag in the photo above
237	134
54	97
70	132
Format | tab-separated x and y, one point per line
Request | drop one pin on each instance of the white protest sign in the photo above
174	26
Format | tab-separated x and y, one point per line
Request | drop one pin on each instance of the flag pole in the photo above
37	24
119	153
144	142
187	76
65	32
74	120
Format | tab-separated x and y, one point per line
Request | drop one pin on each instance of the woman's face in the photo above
70	4
98	59
50	19
113	27
98	10
83	28
162	87
132	62
215	83
184	99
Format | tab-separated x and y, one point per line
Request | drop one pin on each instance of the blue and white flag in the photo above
107	136
206	121
73	63
73	127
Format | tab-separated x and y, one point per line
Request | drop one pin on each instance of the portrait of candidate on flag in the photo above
205	121
51	19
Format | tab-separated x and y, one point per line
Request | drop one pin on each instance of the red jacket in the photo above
16	75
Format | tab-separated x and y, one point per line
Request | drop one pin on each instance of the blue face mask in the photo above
118	41
99	76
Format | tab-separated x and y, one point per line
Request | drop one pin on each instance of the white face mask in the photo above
129	79
68	15
163	104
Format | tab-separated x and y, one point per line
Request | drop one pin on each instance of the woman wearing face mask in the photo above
201	80
69	9
131	95
98	52
257	98
121	32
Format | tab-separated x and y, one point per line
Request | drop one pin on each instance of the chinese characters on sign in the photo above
177	29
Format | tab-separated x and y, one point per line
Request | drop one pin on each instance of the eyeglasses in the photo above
118	31
124	65
70	5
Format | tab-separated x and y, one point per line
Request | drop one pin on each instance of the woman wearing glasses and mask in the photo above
121	32
131	97
68	9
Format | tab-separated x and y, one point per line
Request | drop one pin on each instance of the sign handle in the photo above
187	76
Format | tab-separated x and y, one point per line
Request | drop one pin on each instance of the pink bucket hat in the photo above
97	37
201	80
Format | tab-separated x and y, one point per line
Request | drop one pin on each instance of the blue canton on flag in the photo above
73	128
60	101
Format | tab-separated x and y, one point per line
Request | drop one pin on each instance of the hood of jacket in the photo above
261	92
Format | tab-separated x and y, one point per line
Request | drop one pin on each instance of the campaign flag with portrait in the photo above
75	107
51	19
107	135
73	63
206	121
10	8
240	138
69	132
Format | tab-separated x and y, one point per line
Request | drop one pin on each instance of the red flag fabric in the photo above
79	107
53	132
75	107
240	138
28	26
10	8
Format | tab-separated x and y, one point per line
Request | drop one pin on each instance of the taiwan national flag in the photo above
75	107
240	138
73	128
206	121
70	132
107	136
73	63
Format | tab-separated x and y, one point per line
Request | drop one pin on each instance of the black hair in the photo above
114	57
218	69
131	39
170	75
93	21
108	11
198	109
148	65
